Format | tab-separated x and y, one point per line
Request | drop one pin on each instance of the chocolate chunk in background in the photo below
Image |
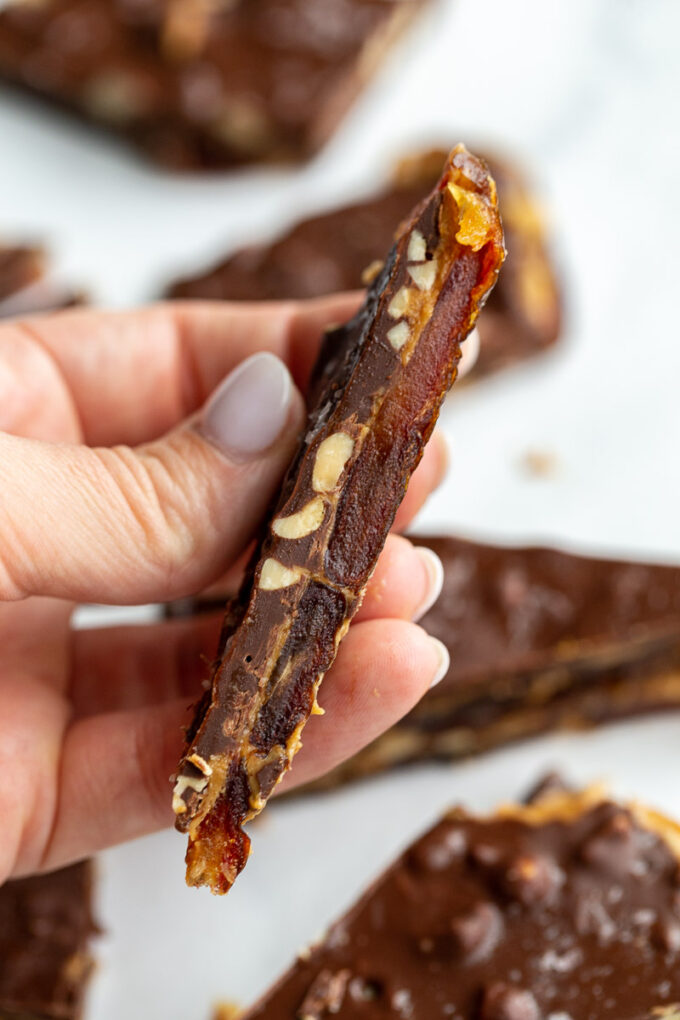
374	398
26	287
330	252
539	640
46	927
589	950
203	83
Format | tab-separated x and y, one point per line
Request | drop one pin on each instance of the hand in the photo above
90	720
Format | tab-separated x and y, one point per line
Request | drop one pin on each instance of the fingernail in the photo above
470	352
444	458
250	408
435	579
444	661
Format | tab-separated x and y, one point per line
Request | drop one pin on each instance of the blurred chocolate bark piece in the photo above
203	83
374	398
26	287
330	253
539	640
566	909
45	930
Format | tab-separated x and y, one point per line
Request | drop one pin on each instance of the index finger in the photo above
131	376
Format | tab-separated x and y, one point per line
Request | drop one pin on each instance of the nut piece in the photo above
274	575
399	304
371	271
331	457
399	335
424	274
183	784
302	523
417	248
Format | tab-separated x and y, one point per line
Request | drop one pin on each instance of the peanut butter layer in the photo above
331	252
539	639
566	908
45	929
202	83
374	397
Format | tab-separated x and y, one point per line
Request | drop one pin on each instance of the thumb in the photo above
124	525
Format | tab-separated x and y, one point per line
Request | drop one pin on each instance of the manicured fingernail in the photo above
470	352
444	661
435	579
250	408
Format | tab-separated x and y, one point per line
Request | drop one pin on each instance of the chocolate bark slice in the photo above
25	287
374	398
203	83
45	929
539	639
564	909
329	253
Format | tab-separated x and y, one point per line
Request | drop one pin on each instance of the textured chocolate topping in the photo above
538	639
567	909
199	83
374	396
45	928
330	252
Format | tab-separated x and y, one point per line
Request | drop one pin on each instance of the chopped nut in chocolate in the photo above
203	83
45	929
454	930
538	639
342	249
374	398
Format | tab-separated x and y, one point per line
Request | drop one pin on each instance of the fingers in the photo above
128	377
128	667
382	669
148	524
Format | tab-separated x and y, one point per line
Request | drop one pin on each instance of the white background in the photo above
585	91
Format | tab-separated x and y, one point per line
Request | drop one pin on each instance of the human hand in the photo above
125	482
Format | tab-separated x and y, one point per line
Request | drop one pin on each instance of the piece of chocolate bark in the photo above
45	929
564	909
374	399
329	253
203	83
25	285
539	639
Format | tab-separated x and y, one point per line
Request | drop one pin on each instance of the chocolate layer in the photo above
539	639
564	909
374	395
330	252
45	929
25	288
202	83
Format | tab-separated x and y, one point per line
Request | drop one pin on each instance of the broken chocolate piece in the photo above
374	397
25	288
539	639
45	929
330	253
590	951
203	83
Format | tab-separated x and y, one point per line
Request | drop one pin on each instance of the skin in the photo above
112	495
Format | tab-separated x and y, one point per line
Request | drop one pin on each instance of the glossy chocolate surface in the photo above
45	928
565	910
202	83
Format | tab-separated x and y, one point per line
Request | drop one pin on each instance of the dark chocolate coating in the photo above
377	389
328	253
538	639
202	83
555	913
45	928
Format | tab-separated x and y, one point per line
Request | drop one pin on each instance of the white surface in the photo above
586	91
